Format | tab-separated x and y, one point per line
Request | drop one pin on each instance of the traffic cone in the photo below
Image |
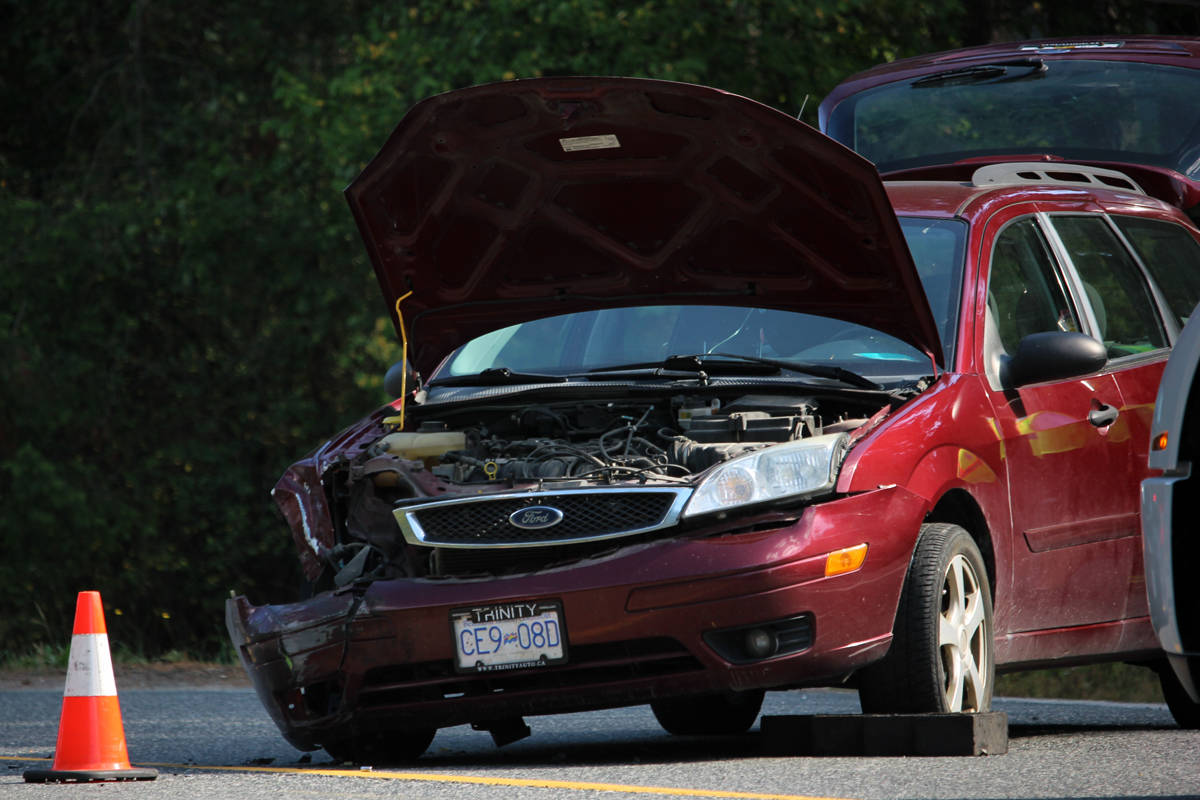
91	738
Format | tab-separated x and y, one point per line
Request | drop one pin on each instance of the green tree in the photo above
184	309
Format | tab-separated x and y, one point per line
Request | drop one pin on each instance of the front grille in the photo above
588	665
587	515
471	561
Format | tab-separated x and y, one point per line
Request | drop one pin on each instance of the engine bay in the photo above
481	449
603	442
608	444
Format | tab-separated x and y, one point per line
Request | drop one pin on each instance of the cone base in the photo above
88	775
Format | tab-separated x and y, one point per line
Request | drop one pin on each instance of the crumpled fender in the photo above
301	499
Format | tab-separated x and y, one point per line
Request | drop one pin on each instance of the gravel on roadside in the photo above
153	675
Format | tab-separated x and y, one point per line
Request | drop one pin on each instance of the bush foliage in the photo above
185	306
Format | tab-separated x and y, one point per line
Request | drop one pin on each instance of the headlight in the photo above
794	469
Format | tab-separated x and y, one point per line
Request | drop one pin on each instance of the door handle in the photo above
1102	415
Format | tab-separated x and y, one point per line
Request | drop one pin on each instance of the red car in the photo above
1127	102
701	408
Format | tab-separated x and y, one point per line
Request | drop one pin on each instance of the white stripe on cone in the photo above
89	670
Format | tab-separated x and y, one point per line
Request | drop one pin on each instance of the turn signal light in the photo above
1160	442
847	559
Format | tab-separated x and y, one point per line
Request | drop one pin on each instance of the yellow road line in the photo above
525	783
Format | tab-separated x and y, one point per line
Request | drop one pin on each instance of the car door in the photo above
1141	276
1067	460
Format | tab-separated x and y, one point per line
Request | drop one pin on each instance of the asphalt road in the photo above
218	743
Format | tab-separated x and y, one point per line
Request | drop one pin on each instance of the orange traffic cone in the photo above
91	738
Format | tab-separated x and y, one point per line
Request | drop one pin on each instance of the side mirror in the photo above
399	377
1053	356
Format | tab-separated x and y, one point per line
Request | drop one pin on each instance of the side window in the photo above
1025	291
1172	257
1120	297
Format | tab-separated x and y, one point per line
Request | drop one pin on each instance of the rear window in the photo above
1089	110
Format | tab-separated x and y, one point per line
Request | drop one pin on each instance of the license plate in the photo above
509	636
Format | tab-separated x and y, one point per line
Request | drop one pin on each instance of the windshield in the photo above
577	343
1085	110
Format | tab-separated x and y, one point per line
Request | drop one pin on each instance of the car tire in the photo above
1184	709
382	747
942	657
710	714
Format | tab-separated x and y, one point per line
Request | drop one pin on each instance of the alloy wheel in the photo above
963	637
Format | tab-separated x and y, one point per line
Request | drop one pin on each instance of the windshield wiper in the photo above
689	365
816	370
497	376
980	73
729	363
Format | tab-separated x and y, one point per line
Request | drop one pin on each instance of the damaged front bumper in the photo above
653	620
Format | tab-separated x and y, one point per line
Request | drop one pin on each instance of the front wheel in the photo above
710	714
941	659
1184	709
382	747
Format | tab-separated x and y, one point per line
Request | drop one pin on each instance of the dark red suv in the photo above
701	408
1126	102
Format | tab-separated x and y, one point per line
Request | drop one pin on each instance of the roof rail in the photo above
1054	173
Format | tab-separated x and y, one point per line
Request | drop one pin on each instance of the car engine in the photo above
479	451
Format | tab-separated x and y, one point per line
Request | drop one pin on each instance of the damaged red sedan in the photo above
699	408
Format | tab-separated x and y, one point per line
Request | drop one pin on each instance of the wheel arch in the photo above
958	507
964	487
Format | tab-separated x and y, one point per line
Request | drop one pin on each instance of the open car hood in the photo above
503	203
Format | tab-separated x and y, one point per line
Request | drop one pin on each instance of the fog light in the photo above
747	644
760	643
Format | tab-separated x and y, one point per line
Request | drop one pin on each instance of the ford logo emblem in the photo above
532	518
